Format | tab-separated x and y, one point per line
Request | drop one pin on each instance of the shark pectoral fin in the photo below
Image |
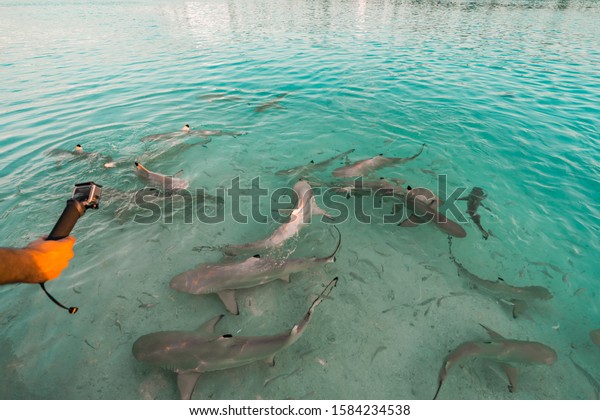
407	223
209	326
228	298
431	202
345	190
316	210
285	278
285	212
512	375
295	214
493	334
519	307
186	382
270	360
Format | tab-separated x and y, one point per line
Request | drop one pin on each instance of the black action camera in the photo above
87	193
85	196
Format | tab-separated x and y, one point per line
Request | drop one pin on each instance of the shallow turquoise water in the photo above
505	94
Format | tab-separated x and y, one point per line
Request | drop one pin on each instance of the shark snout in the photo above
182	283
140	347
176	283
549	356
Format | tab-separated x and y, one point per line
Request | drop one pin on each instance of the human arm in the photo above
38	262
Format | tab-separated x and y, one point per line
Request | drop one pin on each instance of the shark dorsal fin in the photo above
209	326
228	298
493	334
179	172
186	382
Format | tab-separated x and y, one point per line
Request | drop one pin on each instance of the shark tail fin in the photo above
297	330
438	390
415	155
339	243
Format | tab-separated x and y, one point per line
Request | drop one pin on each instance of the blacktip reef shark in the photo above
225	278
304	170
595	337
424	204
501	350
474	200
186	131
306	206
516	296
78	151
166	181
381	186
367	166
190	353
273	103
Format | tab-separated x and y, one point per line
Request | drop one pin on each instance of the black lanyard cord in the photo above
71	310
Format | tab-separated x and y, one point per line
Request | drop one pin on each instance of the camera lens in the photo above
81	194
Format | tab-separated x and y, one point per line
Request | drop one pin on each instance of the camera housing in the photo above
88	194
